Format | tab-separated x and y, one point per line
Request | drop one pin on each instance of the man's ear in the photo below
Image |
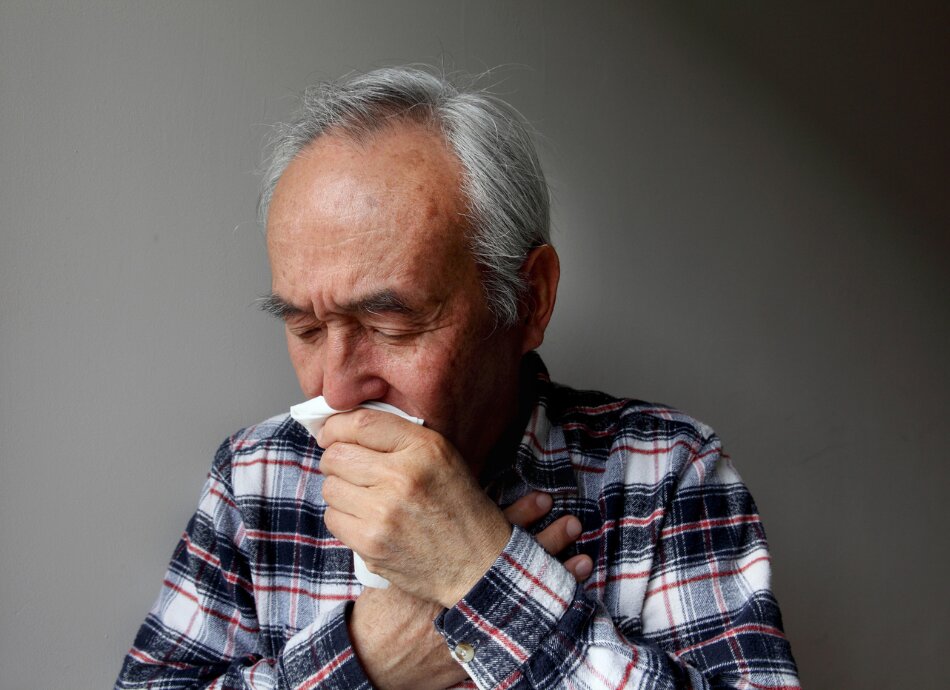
542	270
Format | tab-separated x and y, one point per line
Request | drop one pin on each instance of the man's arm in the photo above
204	629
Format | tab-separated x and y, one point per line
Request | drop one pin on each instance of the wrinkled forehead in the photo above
401	179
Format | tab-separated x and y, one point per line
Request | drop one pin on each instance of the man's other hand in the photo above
555	537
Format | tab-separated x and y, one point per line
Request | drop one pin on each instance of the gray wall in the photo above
725	250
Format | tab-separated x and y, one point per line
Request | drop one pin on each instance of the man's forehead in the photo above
406	154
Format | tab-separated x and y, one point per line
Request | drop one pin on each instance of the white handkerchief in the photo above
315	412
312	415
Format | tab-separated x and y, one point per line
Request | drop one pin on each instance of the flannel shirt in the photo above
257	592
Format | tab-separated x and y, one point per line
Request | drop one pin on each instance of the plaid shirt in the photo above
257	592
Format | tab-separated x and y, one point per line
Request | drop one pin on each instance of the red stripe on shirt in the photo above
705	576
729	634
496	633
215	562
655	450
227	499
540	447
210	611
329	668
626	674
261	535
534	580
274	461
509	681
305	592
709	523
148	659
624	522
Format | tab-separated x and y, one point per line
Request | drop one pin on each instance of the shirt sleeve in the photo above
708	616
203	630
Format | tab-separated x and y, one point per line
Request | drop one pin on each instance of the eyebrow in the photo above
277	306
382	302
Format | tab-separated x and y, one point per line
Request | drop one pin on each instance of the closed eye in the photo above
391	334
306	333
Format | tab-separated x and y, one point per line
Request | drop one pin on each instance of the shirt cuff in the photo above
503	620
321	655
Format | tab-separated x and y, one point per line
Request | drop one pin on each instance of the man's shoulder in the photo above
601	430
280	430
600	414
276	438
611	440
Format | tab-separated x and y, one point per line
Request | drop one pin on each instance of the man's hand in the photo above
555	537
402	497
392	631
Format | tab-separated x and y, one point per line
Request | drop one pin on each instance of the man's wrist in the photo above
495	544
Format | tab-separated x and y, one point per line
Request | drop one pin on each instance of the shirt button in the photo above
464	652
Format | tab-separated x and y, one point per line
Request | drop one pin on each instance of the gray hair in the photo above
505	191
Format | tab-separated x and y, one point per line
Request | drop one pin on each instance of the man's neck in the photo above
503	452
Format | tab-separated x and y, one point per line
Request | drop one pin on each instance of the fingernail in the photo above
583	569
544	501
573	527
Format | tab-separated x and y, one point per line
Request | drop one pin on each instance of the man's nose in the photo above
350	373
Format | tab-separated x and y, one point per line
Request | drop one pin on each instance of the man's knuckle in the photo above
412	489
376	541
329	456
380	520
441	448
362	418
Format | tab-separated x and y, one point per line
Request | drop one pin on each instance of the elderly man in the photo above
534	536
